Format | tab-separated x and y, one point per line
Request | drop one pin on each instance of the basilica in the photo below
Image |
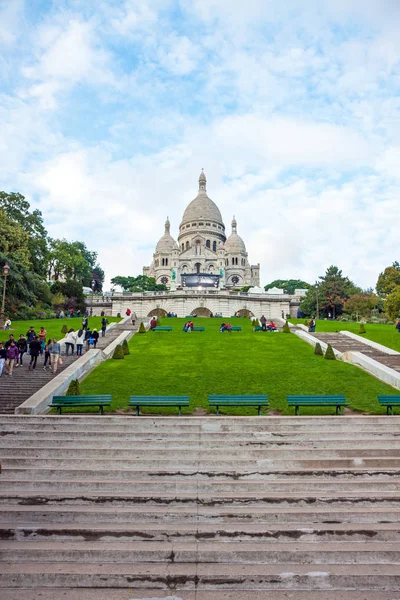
202	257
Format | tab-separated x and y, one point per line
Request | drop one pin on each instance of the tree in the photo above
288	285
14	241
72	291
71	260
17	208
141	283
392	304
361	304
333	290
388	280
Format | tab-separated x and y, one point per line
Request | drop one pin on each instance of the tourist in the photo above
7	323
102	314
55	354
88	338
228	327
283	315
222	327
398	325
42	338
62	315
78	313
22	348
47	357
271	326
128	312
70	341
188	326
79	342
311	325
10	340
34	351
103	326
71	313
85	323
30	336
153	323
12	357
263	322
3	356
95	337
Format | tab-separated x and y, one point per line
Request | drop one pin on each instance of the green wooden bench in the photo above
162	329
233	329
217	401
389	402
178	401
61	402
339	401
198	329
261	329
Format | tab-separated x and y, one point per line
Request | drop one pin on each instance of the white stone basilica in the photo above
203	256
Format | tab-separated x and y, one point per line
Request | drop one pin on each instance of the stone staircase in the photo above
345	344
23	383
200	508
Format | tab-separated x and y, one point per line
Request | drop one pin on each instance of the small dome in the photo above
234	244
166	243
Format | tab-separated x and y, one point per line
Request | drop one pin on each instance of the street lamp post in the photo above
316	299
92	285
6	270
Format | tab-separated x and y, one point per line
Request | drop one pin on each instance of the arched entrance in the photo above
157	312
244	312
201	312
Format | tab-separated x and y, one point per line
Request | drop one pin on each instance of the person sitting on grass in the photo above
223	327
271	326
398	325
186	326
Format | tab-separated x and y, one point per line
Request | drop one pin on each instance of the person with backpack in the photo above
88	338
95	337
34	350
22	348
311	325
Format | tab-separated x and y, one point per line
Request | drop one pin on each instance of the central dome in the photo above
202	207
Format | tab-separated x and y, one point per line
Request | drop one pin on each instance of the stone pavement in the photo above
23	383
207	508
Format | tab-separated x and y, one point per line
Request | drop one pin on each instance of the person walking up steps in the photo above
22	348
103	326
30	336
12	357
42	339
47	358
70	341
34	351
95	337
3	356
55	354
79	342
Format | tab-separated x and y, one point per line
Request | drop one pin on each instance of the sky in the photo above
109	110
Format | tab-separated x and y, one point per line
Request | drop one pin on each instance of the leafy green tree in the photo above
335	289
361	304
392	304
14	241
141	283
388	280
69	260
288	285
72	291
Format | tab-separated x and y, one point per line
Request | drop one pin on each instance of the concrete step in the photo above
203	576
267	533
241	553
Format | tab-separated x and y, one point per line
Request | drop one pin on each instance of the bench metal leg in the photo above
216	410
101	410
59	410
259	410
297	411
390	410
180	411
137	410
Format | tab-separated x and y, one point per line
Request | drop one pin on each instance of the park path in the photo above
342	343
24	383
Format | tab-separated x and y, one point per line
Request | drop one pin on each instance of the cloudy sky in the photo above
109	110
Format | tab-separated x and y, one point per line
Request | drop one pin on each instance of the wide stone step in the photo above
293	552
30	510
270	533
190	576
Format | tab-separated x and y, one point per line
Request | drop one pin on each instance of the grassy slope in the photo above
202	363
52	326
383	334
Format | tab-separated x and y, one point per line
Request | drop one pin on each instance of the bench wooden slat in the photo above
178	401
162	329
389	402
337	400
258	400
99	400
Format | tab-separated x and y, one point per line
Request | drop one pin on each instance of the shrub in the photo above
286	328
119	352
73	388
118	315
256	323
64	329
125	347
318	349
142	328
306	322
362	328
329	354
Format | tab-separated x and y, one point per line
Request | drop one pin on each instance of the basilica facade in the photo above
202	256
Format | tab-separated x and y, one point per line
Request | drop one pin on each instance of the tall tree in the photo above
288	285
388	280
141	283
333	290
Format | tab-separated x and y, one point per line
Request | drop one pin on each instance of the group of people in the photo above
35	345
225	327
188	326
267	327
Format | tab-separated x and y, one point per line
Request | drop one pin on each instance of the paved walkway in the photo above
23	383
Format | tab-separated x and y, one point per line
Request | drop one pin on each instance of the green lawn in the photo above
383	334
52	326
209	362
